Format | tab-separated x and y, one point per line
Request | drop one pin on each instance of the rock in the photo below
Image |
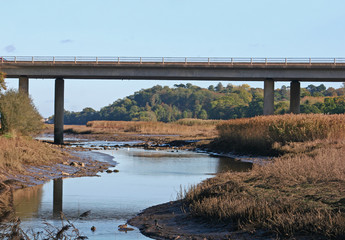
65	174
74	164
81	164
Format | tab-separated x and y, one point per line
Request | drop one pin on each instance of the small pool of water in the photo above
145	178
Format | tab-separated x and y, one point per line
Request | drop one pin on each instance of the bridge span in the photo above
268	70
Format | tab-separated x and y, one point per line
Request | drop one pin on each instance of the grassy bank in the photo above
184	128
272	135
18	152
300	193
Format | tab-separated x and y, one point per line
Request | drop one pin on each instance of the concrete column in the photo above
24	84
57	197
295	97
59	111
269	97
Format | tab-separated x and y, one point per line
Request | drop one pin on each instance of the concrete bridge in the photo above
268	70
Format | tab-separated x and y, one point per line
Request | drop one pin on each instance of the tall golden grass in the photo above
16	152
292	195
295	194
261	134
190	127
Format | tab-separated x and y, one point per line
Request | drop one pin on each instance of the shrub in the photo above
18	114
2	81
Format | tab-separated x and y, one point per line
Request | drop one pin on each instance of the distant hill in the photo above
217	102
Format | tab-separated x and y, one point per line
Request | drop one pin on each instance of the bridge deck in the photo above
242	69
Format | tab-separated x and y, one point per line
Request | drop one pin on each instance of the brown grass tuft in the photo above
262	135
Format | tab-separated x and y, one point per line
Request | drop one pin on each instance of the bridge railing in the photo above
186	60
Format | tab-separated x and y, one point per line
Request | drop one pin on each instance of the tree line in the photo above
216	102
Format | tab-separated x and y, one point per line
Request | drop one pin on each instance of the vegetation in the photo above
217	102
67	231
267	134
18	114
297	195
2	81
182	127
300	193
18	152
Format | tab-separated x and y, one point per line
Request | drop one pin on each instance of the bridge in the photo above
268	70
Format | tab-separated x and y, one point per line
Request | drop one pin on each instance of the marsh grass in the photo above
290	196
266	134
17	152
189	127
300	193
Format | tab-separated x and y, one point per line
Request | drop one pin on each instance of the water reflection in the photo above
27	201
226	164
57	197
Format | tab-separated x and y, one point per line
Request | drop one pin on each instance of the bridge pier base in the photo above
23	84
295	97
59	110
269	97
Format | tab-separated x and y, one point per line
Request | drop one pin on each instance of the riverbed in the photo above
145	178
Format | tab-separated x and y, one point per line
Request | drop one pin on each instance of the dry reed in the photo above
295	194
261	134
290	196
187	128
16	152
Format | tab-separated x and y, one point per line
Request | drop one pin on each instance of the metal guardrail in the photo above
185	60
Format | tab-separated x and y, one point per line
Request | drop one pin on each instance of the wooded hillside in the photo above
217	102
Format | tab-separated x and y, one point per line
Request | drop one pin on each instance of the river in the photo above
145	178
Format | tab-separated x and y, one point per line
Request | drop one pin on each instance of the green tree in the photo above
202	114
18	114
211	88
219	87
255	107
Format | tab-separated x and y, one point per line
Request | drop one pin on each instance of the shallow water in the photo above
146	178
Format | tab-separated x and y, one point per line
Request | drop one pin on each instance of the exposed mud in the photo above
172	221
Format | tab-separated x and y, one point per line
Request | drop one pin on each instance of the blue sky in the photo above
157	28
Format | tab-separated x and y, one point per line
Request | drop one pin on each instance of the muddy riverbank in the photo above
172	221
77	164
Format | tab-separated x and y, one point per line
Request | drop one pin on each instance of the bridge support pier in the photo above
59	110
269	97
24	84
295	97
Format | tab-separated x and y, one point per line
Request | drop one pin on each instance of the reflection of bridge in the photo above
268	70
